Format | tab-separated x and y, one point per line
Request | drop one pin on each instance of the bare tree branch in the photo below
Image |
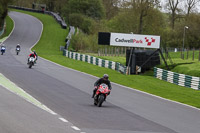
191	5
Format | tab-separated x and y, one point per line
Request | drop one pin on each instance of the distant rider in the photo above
104	80
18	46
2	46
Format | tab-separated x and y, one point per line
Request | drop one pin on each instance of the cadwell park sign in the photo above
138	41
129	40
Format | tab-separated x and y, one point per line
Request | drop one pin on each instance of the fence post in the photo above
115	51
187	52
125	52
199	54
118	51
193	54
181	54
105	51
112	51
121	51
99	52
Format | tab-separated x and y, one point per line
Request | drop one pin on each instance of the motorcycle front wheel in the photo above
100	100
30	64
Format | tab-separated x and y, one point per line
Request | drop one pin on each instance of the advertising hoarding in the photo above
134	40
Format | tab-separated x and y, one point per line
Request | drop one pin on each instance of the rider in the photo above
31	55
35	54
104	80
18	46
2	45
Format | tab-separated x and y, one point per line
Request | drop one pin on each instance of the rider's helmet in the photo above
105	76
17	44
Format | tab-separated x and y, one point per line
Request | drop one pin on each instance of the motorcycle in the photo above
3	49
101	94
31	61
17	50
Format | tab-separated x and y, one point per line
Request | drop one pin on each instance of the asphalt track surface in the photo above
68	93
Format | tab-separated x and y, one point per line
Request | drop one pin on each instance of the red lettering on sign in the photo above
137	41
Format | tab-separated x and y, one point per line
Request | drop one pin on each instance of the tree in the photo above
143	7
3	10
173	7
90	8
111	7
60	5
191	5
193	33
153	23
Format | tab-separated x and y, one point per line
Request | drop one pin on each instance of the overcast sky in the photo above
181	5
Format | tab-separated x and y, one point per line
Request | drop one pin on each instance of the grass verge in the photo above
53	36
9	27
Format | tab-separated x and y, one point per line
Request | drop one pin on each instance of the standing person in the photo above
104	80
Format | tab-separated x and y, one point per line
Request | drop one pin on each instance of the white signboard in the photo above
135	40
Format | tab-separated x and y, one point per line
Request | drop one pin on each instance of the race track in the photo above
68	93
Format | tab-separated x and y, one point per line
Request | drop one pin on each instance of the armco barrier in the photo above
68	38
95	61
55	15
176	78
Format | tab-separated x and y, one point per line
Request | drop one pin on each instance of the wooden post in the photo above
118	51
167	53
105	51
187	53
181	54
99	52
112	51
193	54
115	51
199	54
125	52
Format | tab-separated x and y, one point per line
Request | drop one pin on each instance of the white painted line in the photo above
64	120
75	128
159	97
33	101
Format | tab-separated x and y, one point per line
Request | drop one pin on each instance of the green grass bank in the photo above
9	27
53	37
